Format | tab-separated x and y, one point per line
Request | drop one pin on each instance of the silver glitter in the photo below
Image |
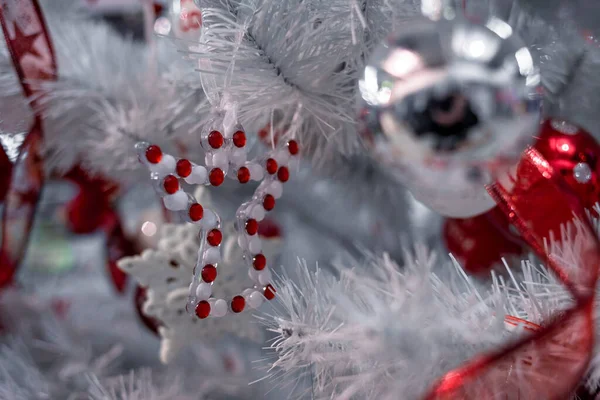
564	127
582	173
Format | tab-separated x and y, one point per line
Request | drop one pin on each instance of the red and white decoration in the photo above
226	155
31	50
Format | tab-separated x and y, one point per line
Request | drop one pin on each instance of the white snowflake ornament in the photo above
166	271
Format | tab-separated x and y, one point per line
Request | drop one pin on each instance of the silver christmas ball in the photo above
445	105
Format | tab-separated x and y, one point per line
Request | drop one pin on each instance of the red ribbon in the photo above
33	57
550	363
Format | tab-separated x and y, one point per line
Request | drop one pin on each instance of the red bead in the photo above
171	184
269	292
293	147
237	304
196	212
259	262
215	139
203	309
153	154
184	168
214	237
251	227
216	176
269	202
239	139
283	174
271	166
243	175
209	273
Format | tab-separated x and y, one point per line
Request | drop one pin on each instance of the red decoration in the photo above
216	176
171	184
267	137
203	309
269	202
565	151
267	228
269	292
293	147
153	154
209	273
237	304
537	201
239	139
215	139
259	262
271	166
283	174
31	51
480	242
243	175
214	237
196	212
251	227
184	168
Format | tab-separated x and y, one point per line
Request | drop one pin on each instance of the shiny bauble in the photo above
445	105
574	154
182	20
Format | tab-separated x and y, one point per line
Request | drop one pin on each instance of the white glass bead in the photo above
256	172
166	165
209	219
218	308
238	157
247	292
275	189
199	176
177	201
203	291
257	212
255	299
242	241
265	276
255	245
221	160
208	159
282	157
212	255
253	274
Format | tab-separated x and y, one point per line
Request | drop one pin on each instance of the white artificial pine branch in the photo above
108	96
380	330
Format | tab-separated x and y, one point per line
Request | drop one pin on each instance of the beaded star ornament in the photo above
217	248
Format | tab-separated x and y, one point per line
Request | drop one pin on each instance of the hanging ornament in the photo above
219	291
573	153
445	105
480	242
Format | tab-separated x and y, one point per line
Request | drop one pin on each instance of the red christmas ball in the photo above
480	242
573	153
